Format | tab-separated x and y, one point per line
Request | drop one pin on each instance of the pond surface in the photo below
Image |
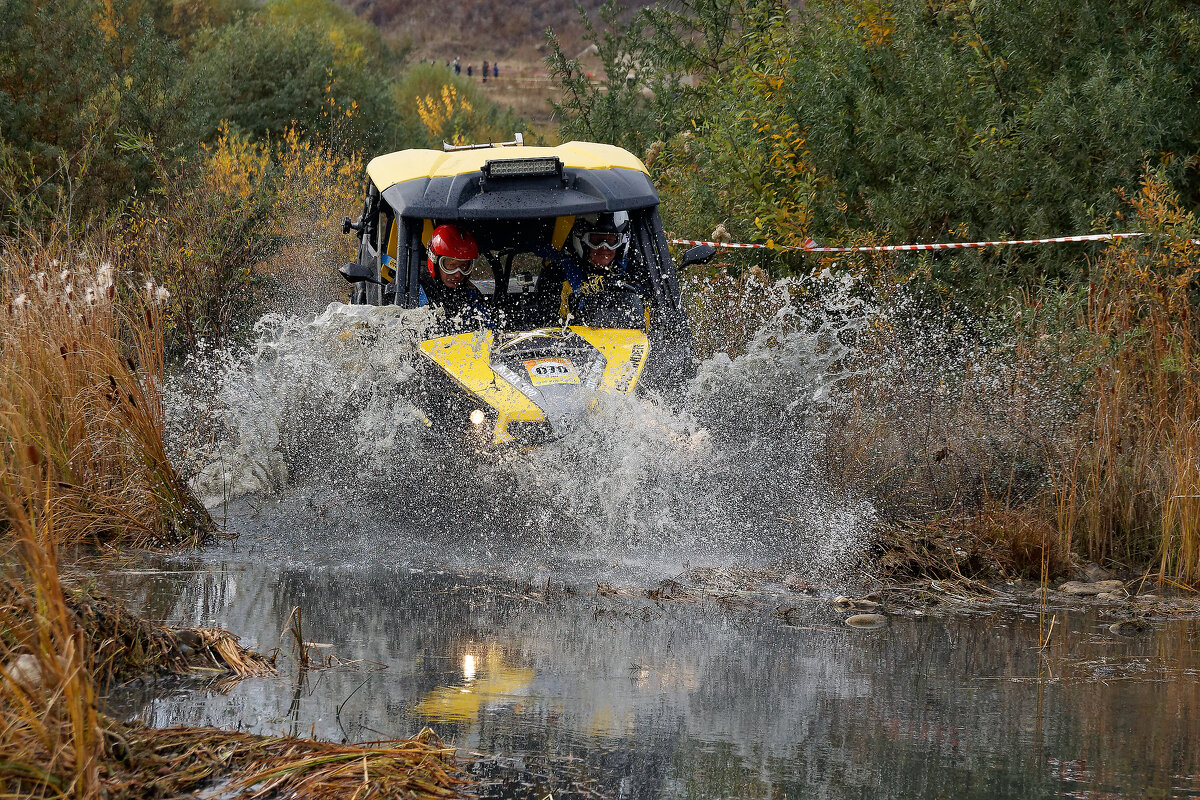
568	687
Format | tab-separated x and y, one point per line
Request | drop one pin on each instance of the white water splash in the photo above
329	382
726	476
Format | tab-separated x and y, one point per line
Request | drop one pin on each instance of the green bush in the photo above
268	72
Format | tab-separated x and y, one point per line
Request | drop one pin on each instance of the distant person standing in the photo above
485	70
470	67
496	70
457	66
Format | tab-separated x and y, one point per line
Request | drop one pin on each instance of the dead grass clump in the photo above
179	761
1035	548
126	646
81	369
990	546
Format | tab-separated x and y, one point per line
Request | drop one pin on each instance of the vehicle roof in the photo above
406	165
434	185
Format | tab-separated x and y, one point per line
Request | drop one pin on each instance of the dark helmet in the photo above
606	230
450	241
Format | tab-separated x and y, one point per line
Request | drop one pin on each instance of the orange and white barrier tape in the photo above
810	246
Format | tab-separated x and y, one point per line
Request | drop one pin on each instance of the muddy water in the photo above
579	692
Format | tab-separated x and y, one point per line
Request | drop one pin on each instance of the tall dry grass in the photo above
52	743
81	410
1064	420
1134	485
1077	409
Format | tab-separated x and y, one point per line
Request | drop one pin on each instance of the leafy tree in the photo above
71	76
909	119
268	72
614	110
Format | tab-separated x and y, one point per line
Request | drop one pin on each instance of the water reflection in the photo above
462	702
694	700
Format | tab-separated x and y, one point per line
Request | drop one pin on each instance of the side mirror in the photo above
358	273
700	254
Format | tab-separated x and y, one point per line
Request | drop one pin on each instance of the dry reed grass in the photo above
1066	417
1131	492
52	742
81	366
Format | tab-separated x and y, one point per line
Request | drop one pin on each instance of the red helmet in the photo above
452	242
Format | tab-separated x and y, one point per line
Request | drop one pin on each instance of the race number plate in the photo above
544	371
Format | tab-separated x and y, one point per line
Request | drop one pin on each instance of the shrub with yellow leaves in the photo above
447	116
251	224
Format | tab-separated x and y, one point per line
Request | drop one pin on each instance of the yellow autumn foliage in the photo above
447	116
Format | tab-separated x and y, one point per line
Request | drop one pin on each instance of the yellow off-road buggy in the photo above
528	363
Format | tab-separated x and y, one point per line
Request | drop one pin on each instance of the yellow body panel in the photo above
407	165
562	229
465	357
626	351
385	269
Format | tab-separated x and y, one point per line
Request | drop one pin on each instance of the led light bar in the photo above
523	168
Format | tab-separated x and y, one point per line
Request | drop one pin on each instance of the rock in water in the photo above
1128	627
1081	589
25	671
866	621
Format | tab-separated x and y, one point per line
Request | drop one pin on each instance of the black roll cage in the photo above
648	246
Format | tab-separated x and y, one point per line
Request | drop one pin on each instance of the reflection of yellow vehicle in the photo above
524	373
484	684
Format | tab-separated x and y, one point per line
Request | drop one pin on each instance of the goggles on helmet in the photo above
608	240
454	266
